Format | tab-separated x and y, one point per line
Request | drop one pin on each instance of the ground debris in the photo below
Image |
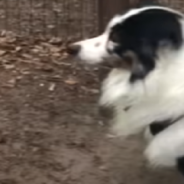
52	87
71	80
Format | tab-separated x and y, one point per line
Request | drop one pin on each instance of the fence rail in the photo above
71	19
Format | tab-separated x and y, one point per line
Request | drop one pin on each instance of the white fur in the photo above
167	146
93	51
160	96
148	135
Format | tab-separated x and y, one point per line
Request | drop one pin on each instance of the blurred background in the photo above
65	18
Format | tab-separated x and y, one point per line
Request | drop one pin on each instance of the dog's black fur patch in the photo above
180	165
144	34
156	128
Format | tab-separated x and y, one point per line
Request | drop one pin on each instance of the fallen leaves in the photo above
32	51
21	58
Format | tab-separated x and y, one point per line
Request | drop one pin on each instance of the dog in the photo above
145	87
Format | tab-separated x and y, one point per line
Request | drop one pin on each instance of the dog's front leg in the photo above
144	113
166	149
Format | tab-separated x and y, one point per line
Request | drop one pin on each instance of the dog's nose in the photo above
73	49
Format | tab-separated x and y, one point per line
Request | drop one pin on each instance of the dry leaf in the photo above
71	81
18	48
55	49
92	91
56	41
47	68
2	52
52	87
27	56
42	85
11	83
9	67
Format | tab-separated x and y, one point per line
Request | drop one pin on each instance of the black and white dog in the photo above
149	41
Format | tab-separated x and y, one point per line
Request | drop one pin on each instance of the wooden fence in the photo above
69	19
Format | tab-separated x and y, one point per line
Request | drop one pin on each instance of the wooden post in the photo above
108	8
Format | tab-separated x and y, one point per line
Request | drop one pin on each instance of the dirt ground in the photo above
50	130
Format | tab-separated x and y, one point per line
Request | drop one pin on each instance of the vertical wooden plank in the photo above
108	8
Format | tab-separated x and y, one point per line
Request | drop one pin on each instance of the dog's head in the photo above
137	38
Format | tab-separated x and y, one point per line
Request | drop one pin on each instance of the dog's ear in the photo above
145	62
135	64
142	62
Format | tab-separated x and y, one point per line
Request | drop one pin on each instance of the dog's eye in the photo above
114	37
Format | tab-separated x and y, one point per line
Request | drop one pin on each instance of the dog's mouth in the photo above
105	64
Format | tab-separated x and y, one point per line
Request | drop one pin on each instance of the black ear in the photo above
138	71
143	62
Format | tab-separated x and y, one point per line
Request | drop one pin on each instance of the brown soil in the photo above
50	131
